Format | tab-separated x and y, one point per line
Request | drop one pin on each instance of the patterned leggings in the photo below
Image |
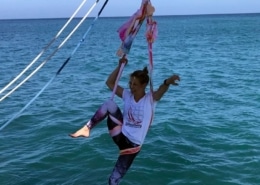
115	119
124	161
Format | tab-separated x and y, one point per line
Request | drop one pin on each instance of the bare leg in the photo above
109	107
83	132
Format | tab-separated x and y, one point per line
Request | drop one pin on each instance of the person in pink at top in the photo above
128	130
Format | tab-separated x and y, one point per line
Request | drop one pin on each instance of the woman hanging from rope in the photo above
128	130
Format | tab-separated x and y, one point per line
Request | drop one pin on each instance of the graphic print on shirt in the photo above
135	116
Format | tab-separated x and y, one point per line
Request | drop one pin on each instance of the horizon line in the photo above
129	16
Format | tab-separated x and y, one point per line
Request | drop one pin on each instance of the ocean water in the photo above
205	131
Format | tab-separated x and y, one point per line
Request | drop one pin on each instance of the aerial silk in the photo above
151	34
60	69
127	33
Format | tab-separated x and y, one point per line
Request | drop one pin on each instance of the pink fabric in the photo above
125	28
130	150
117	79
128	30
151	31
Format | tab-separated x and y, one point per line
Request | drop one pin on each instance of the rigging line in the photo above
49	57
44	49
60	69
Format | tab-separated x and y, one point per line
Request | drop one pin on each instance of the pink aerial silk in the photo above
151	35
117	79
129	30
127	33
130	150
125	28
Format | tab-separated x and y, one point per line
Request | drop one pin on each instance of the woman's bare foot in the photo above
83	132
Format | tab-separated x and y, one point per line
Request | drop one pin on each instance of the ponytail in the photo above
141	75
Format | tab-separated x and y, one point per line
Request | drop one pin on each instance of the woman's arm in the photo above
157	95
112	78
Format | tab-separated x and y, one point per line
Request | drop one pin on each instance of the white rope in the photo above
48	58
57	73
46	47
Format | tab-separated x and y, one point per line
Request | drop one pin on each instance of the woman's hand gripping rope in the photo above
123	60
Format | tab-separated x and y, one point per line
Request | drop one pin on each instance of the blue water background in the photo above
205	131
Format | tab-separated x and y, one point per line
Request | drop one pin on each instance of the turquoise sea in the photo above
205	131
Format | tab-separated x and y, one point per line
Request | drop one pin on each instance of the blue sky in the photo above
13	9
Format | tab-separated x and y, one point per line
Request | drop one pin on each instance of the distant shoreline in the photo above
221	14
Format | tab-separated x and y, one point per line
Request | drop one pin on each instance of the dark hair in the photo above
141	75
